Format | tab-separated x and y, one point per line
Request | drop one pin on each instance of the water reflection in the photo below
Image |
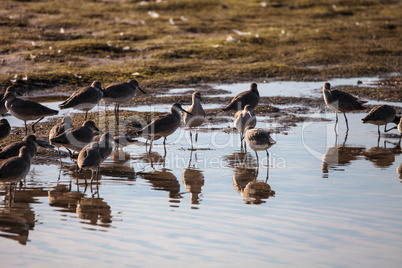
164	180
383	157
62	197
340	155
17	217
95	211
193	180
399	171
245	178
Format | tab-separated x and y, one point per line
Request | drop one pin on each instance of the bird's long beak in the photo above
186	111
18	93
141	90
104	93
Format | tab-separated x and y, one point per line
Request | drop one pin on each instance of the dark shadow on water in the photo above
193	180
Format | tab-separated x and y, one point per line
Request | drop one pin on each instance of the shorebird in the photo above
76	138
14	169
382	115
58	129
251	97
258	140
3	109
26	110
85	98
197	116
163	125
90	158
341	102
5	128
121	93
105	145
13	149
243	119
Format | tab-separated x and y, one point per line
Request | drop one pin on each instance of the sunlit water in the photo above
322	201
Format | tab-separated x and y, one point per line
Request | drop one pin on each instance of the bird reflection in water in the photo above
193	180
62	197
245	178
95	211
399	171
18	218
163	179
339	156
383	157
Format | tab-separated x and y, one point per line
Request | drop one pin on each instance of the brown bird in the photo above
243	119
13	149
3	109
382	115
341	102
163	125
76	138
197	116
26	110
5	128
119	93
58	129
14	169
85	98
258	140
251	97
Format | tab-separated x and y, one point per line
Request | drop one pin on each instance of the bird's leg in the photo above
346	120
267	166
86	116
33	125
191	139
378	129
196	135
386	130
150	146
26	128
258	161
164	144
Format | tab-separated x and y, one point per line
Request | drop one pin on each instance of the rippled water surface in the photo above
322	200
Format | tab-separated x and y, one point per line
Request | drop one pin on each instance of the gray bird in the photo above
13	149
258	140
197	115
251	97
163	125
14	169
85	98
77	137
341	102
5	128
119	93
26	110
243	119
58	129
382	115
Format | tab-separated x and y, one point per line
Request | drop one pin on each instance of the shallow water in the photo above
322	201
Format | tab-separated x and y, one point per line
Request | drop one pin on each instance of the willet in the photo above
243	119
84	99
14	169
258	140
382	115
251	97
163	125
26	110
13	149
90	158
341	102
3	109
197	116
76	138
5	128
58	129
105	145
121	93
